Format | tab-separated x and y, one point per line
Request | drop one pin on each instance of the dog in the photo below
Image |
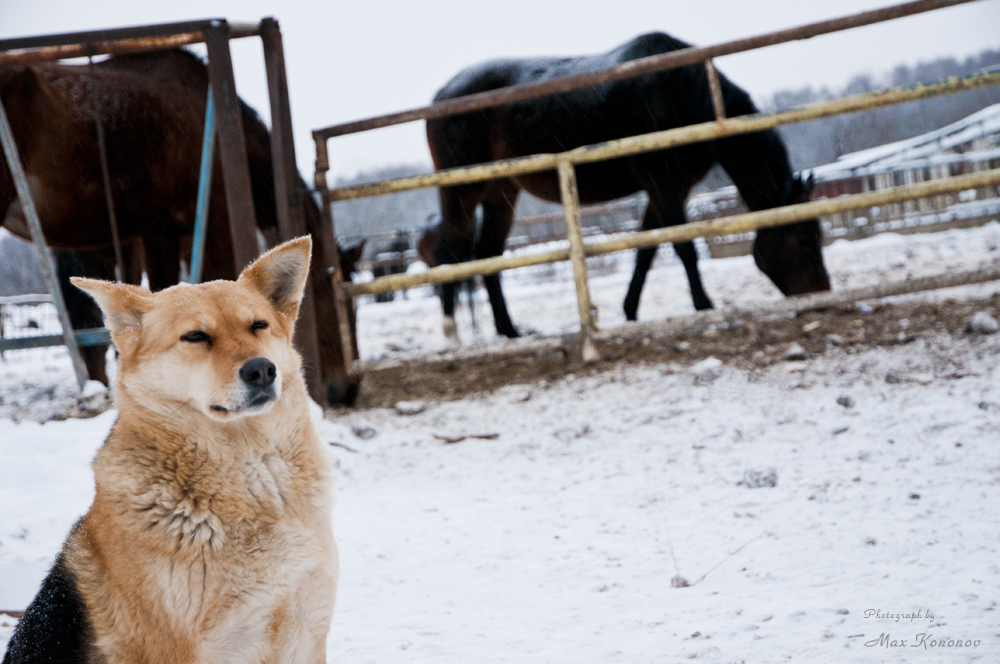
210	536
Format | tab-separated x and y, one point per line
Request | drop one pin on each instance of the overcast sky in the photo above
348	60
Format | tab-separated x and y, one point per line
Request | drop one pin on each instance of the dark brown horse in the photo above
757	163
153	112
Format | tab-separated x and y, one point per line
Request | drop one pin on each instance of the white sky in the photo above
348	60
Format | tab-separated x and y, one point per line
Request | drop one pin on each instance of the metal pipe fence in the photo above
660	140
564	164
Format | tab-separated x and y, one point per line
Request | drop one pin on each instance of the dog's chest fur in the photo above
224	533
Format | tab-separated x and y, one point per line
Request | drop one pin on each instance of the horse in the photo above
152	108
757	163
395	253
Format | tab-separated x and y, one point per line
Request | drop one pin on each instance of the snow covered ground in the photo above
560	539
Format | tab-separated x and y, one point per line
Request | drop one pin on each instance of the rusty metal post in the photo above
342	301
288	198
716	89
232	145
38	238
571	207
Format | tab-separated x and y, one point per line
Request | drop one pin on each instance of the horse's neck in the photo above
758	165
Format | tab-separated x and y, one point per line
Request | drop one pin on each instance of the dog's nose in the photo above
259	372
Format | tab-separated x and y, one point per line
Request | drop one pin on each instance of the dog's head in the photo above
223	348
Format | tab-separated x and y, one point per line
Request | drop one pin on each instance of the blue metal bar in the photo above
204	189
91	337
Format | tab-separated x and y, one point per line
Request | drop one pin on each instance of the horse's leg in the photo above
660	212
458	208
163	264
449	293
498	216
643	260
689	257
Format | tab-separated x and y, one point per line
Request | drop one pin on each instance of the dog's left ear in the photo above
280	274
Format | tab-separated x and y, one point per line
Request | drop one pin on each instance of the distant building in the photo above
967	146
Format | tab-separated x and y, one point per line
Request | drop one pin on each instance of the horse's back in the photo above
501	73
559	122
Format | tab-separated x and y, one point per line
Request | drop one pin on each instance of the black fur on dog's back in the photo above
55	628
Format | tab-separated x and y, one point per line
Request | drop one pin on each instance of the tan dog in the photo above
209	539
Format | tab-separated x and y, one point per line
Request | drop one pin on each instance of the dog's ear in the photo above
123	305
280	274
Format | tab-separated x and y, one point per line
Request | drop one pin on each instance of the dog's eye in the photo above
258	325
196	337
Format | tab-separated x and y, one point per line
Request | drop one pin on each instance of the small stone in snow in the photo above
679	582
363	431
982	322
92	387
835	340
410	407
707	370
914	496
795	352
845	400
757	479
95	398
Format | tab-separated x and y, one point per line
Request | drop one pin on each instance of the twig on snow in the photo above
717	565
450	440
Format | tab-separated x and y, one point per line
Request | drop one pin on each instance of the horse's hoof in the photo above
702	306
450	329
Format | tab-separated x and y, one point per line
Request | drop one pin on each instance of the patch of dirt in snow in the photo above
747	345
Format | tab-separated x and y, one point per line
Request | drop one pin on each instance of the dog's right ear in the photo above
123	305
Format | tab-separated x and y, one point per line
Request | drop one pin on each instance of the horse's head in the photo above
340	383
443	244
791	255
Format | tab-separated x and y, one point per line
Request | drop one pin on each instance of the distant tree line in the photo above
809	144
823	141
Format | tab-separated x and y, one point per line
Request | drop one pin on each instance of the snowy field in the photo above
629	516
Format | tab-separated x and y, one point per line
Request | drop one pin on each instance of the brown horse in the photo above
153	113
757	163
